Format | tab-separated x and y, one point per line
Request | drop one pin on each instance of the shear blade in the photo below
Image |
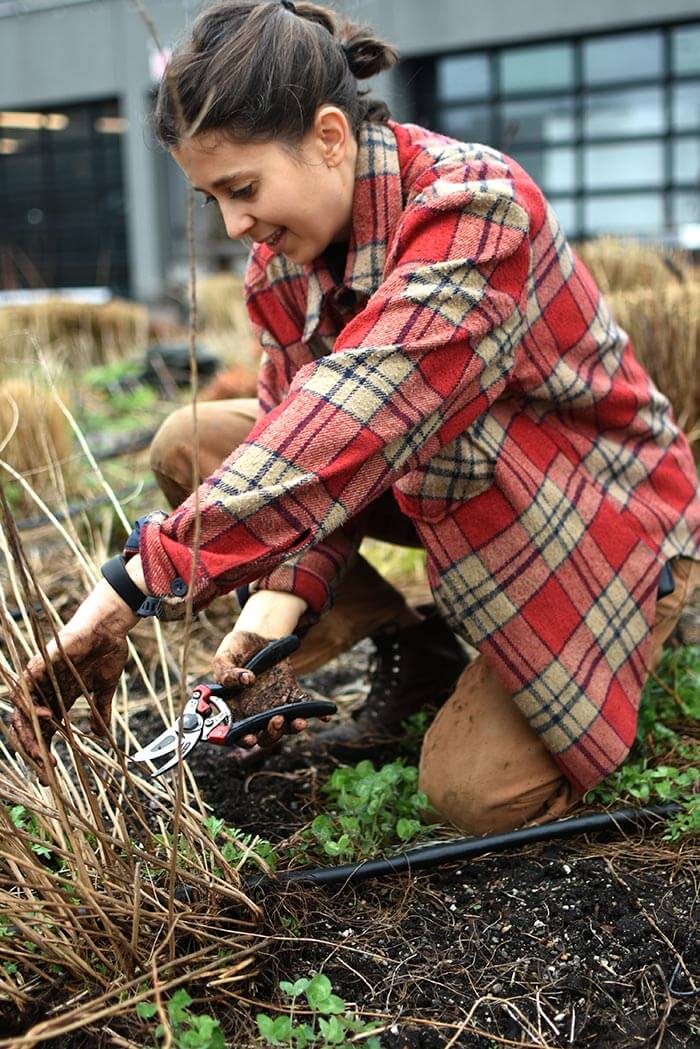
187	745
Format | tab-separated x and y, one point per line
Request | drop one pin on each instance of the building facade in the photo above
600	102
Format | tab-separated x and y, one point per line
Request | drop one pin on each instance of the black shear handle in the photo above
267	657
312	708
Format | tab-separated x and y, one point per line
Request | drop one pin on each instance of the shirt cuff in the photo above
163	579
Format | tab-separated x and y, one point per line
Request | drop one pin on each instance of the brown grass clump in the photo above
34	432
221	304
664	326
618	265
82	334
94	919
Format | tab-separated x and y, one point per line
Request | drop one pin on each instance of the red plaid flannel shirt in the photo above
469	362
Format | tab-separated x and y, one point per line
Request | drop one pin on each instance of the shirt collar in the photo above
376	209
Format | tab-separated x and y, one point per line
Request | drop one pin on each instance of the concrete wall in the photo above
90	50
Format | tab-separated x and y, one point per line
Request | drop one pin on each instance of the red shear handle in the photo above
313	708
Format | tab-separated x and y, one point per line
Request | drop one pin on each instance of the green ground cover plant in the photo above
369	810
331	1023
184	1029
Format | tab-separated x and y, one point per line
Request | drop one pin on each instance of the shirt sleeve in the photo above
314	573
429	354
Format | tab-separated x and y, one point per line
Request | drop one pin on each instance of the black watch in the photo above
143	605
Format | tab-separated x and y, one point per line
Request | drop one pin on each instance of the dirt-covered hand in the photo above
99	656
273	688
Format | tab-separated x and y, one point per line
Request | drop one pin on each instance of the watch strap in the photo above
114	571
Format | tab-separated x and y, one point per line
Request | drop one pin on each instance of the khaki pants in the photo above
482	766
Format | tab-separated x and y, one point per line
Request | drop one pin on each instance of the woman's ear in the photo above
333	134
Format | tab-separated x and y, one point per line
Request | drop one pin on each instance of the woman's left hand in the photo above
274	687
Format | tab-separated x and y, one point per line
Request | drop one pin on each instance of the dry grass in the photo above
79	334
618	265
221	306
34	432
664	326
90	922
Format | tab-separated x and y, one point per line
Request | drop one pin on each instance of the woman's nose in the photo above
237	223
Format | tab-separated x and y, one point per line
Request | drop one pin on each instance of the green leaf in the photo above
266	1027
318	992
407	828
294	989
282	1028
333	1030
146	1010
178	1006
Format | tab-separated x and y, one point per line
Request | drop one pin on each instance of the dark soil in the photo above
584	943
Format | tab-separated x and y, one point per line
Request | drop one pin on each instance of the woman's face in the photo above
298	203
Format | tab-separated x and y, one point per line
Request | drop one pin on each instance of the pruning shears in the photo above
206	715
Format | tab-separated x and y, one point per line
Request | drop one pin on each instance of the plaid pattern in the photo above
469	361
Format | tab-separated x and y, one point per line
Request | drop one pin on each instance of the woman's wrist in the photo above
104	606
270	613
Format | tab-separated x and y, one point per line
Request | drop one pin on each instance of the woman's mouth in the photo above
274	240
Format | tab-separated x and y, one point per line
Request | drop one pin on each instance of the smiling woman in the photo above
297	201
440	370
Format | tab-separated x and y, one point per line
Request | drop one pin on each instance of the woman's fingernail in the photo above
247	677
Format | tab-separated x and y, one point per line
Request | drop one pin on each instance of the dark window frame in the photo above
427	107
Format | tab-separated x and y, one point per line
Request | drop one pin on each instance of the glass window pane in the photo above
686	219
467	123
463	76
625	56
634	213
686	106
552	169
636	164
565	208
685	49
621	113
536	68
538	120
686	160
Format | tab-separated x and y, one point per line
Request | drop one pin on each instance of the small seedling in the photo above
187	1031
331	1024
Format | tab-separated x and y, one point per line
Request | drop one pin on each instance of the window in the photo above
62	215
537	68
608	125
623	56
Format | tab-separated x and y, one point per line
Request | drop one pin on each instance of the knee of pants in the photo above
171	448
482	766
477	809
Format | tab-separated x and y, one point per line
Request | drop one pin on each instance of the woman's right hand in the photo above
94	642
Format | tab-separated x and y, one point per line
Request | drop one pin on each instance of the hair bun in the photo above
367	55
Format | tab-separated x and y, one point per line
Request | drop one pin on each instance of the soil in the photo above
584	943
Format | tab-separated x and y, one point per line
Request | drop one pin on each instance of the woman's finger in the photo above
228	674
101	711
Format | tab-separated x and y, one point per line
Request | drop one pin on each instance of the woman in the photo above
438	367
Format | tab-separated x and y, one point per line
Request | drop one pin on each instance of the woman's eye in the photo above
242	193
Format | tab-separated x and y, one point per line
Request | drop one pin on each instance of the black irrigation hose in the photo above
424	856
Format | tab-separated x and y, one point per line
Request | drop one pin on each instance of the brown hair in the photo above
258	71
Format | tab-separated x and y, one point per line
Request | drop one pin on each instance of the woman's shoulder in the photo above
436	167
422	151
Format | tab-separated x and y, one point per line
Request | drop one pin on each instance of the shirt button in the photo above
178	587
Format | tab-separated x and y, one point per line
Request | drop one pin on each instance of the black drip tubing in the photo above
432	855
